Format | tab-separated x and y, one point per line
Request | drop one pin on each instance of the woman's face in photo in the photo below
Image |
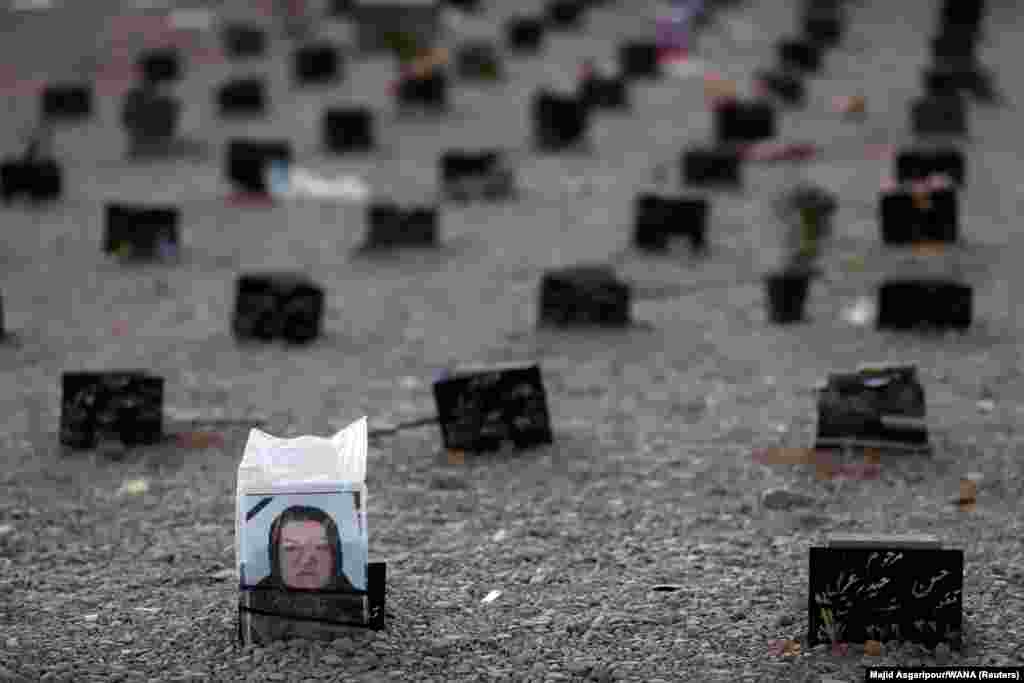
307	560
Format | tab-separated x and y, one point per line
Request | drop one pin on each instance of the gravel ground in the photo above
651	480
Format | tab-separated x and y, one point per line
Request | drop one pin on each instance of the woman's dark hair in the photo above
302	513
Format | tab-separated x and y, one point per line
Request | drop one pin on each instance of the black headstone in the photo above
712	167
125	405
160	65
962	15
141	232
348	130
785	85
478	61
376	589
67	101
737	121
559	121
824	26
429	91
241	41
658	218
905	220
639	60
524	34
940	116
799	54
924	303
150	117
786	296
389	225
958	45
38	179
919	163
480	409
565	14
598	91
584	295
243	97
885	590
318	63
277	305
248	161
483	174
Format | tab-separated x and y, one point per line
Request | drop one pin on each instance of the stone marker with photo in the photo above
269	306
885	588
584	296
301	538
874	407
139	232
931	303
482	407
119	405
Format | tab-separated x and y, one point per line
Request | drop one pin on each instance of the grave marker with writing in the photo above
584	295
931	216
123	405
139	232
925	303
565	15
478	60
273	305
604	91
427	91
799	54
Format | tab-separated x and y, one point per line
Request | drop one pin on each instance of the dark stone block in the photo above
160	66
737	121
38	179
249	160
479	61
885	592
348	130
786	296
476	175
903	221
241	41
141	232
787	86
917	164
524	34
565	15
277	305
67	101
712	167
428	92
798	54
942	116
928	303
559	121
148	116
479	409
319	63
376	590
657	219
883	406
243	97
601	92
584	295
956	45
126	405
962	14
639	60
388	225
824	26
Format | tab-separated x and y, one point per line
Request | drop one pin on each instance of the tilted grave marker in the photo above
248	162
712	166
559	121
738	121
316	64
918	163
943	115
874	407
67	101
473	175
934	303
908	216
390	226
524	34
658	218
584	295
348	129
480	408
277	305
885	588
141	232
242	97
125	405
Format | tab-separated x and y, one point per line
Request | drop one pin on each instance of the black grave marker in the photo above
241	41
927	217
479	409
348	130
565	15
150	117
524	34
785	85
962	15
924	303
885	588
919	163
944	115
389	225
278	305
316	64
786	295
824	25
160	65
658	218
874	407
139	232
584	296
67	101
737	121
956	45
38	179
479	61
243	97
482	174
248	161
123	405
799	54
599	91
559	121
639	60
429	91
712	167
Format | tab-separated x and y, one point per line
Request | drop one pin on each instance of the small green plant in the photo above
405	45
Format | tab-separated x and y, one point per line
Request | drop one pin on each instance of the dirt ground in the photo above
651	479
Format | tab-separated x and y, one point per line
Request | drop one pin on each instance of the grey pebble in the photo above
781	499
330	660
784	620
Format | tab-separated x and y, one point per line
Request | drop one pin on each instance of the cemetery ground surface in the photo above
651	479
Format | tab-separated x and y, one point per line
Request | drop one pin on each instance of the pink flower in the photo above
840	649
776	647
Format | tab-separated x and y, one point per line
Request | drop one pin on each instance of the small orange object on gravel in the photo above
872	648
200	440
